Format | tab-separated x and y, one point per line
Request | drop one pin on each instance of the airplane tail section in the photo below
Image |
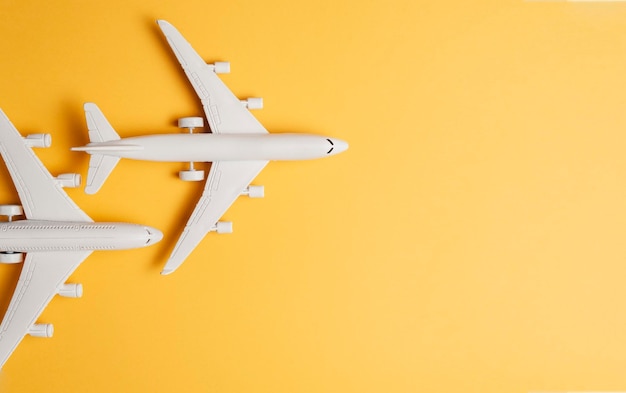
100	130
100	165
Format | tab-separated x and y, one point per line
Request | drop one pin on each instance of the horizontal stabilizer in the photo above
100	167
100	129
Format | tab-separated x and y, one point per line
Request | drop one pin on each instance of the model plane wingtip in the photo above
165	272
163	23
171	265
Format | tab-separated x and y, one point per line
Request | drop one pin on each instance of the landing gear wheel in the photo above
191	175
11	257
190	122
11	211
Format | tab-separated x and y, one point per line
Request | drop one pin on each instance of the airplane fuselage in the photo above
35	235
219	147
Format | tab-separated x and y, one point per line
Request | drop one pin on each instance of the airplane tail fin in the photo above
100	130
100	167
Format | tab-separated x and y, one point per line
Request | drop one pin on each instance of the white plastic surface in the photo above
221	67
45	330
238	146
191	122
69	180
222	108
223	227
38	140
253	103
11	210
191	175
56	237
254	191
71	290
10	258
100	131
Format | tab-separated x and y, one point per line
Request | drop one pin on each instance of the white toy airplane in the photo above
56	237
238	147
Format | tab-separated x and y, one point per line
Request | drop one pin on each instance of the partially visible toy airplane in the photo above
238	147
56	237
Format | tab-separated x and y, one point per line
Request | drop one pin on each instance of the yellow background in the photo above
471	239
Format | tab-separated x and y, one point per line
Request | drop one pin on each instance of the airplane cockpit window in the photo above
332	146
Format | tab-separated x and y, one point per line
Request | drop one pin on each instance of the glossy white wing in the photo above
226	181
224	112
42	198
43	275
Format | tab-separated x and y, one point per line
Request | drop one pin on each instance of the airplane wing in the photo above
42	198
224	112
226	115
226	181
43	275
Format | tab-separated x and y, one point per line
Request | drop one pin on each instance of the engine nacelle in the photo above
253	103
71	290
254	191
70	180
45	330
220	67
9	258
38	140
223	227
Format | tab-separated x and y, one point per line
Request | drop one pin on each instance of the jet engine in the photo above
253	103
41	330
70	180
223	227
38	140
221	67
71	290
254	191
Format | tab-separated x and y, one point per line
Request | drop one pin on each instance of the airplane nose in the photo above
154	235
340	146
